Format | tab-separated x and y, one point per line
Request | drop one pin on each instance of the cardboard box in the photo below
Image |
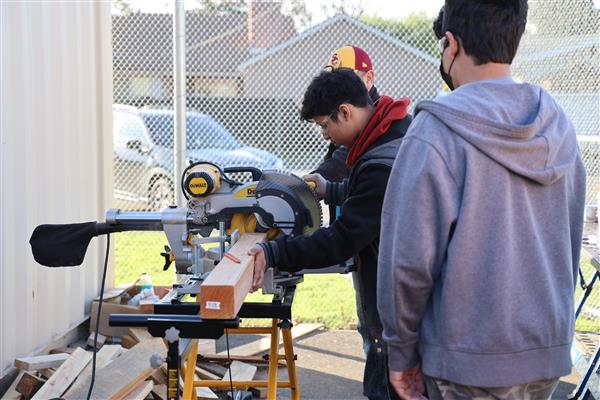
115	302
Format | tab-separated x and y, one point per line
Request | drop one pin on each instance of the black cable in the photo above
582	280
89	395
229	363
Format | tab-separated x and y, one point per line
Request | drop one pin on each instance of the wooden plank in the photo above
207	346
159	377
139	334
146	306
124	373
259	393
224	358
40	362
129	342
240	372
264	344
204	374
223	292
57	350
99	343
140	391
159	392
46	373
205	393
29	385
104	356
11	393
212	368
64	375
119	395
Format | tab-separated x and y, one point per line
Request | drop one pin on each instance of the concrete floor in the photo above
331	363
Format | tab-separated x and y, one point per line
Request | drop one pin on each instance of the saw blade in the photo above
299	189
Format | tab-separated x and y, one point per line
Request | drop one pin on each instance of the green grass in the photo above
139	252
322	298
326	299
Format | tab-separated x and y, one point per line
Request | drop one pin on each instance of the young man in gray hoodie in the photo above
481	224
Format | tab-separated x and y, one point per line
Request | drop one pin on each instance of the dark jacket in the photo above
356	232
333	167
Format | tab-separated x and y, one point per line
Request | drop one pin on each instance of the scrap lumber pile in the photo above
123	370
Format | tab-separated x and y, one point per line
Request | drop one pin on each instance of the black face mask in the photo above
446	76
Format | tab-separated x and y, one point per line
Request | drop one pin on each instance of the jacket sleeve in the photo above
419	211
357	226
336	192
334	168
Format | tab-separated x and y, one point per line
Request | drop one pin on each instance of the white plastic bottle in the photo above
146	284
146	291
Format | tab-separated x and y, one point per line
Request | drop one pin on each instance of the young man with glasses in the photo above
334	167
482	224
339	103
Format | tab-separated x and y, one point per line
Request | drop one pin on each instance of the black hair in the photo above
488	30
328	90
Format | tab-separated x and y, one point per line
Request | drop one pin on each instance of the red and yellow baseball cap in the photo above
350	57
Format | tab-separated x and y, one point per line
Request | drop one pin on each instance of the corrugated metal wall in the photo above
55	158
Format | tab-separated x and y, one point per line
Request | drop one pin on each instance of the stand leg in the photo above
173	371
190	370
286	332
273	361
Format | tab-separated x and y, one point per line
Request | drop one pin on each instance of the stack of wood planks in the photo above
123	373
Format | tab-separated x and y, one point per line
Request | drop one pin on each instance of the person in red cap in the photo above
334	167
339	103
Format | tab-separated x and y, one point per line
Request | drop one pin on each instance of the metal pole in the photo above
179	140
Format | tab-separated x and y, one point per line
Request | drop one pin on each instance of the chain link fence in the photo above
247	66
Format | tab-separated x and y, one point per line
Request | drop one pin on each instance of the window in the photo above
130	128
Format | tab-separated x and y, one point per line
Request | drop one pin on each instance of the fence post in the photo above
179	140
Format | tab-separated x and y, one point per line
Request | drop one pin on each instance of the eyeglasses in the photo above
442	44
331	117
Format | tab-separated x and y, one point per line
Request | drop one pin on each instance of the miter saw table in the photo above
181	326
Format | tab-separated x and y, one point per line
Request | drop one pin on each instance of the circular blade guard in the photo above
297	194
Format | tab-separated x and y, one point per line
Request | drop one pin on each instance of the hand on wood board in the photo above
260	264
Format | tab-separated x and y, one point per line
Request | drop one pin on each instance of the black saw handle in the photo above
256	173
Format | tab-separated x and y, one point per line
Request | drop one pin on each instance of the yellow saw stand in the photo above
278	327
279	311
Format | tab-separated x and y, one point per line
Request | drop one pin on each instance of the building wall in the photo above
288	72
55	161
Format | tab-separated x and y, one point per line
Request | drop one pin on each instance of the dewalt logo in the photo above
198	186
250	191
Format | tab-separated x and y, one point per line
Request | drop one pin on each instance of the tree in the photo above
353	8
122	7
223	6
299	13
557	17
416	29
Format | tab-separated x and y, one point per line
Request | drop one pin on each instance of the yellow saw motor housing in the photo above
202	180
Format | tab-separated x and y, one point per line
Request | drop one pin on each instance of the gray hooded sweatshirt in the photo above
480	238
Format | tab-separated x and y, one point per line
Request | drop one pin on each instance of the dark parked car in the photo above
143	151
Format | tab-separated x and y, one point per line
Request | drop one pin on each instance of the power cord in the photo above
89	395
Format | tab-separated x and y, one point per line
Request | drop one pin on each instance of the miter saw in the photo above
219	210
